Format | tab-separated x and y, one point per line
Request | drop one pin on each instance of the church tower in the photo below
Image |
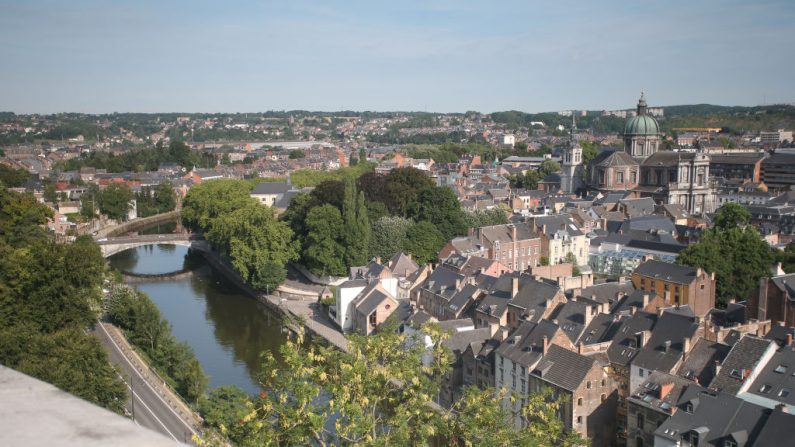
571	168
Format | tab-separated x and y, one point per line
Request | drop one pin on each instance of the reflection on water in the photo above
151	259
227	329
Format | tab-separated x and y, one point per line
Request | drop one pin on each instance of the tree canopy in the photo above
49	294
735	252
381	392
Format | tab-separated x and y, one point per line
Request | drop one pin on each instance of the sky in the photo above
99	56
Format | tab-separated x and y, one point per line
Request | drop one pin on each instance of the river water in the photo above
227	329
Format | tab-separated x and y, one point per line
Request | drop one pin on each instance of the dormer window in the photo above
765	389
689	407
729	443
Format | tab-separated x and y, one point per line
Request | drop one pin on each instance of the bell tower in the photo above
571	168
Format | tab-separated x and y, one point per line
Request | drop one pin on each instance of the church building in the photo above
673	177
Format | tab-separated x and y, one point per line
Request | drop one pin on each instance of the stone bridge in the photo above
112	245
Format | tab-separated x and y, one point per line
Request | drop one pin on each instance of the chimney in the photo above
517	339
645	300
717	367
545	345
378	260
514	286
589	311
544	229
789	339
782	408
685	348
659	311
579	348
622	279
666	345
665	388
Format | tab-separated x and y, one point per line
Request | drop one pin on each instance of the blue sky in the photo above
442	56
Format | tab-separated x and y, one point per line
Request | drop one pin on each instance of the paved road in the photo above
149	408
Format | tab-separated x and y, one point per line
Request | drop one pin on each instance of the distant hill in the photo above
735	119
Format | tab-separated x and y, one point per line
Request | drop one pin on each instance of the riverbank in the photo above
306	312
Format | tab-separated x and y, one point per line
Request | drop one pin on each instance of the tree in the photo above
206	201
379	393
402	189
258	245
115	201
548	167
485	218
89	202
165	199
13	178
223	409
439	206
296	154
423	241
50	195
739	257
731	215
388	236
324	253
356	226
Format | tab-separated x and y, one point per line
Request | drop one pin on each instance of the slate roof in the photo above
608	292
745	354
700	361
532	297
571	316
777	431
369	299
665	346
564	368
271	188
525	345
608	158
716	417
777	377
649	223
648	394
667	158
464	298
459	341
603	327
402	265
558	222
779	334
442	281
623	349
679	274
638	207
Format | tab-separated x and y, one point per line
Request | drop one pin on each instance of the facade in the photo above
737	166
559	237
778	171
515	246
677	284
774	300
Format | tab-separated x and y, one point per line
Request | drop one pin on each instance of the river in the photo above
227	329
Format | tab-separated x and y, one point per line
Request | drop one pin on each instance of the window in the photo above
603	397
781	369
765	389
579	419
640	421
633	177
640	372
729	443
620	177
784	392
689	407
603	382
579	401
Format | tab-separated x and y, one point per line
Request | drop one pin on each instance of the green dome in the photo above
642	125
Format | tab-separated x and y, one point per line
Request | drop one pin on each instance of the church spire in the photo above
573	130
642	104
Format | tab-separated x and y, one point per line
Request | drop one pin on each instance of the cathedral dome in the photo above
642	123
